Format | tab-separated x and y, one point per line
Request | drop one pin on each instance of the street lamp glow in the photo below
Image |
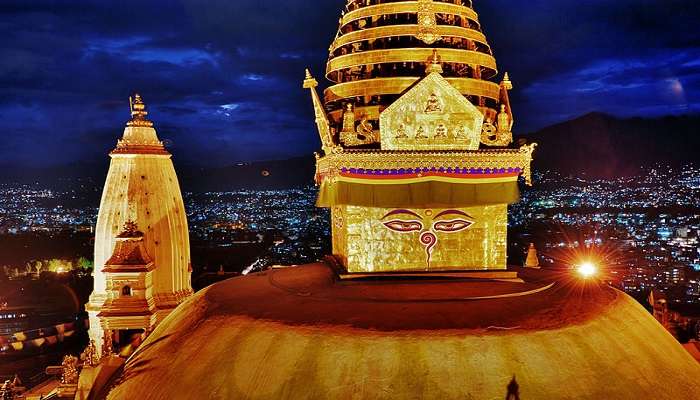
587	269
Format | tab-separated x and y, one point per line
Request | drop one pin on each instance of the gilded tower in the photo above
142	250
417	165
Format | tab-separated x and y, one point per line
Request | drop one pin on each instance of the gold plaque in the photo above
383	239
433	115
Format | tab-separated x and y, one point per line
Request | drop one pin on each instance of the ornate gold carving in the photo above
521	158
338	221
366	130
427	22
89	356
138	112
505	86
348	121
504	122
107	344
527	151
131	230
70	374
433	115
362	135
501	135
433	105
139	136
434	64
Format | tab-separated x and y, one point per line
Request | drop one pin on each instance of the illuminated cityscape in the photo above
652	220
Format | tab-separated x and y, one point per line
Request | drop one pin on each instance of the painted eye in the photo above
452	226
404	226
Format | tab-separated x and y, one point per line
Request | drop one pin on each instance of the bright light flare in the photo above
587	270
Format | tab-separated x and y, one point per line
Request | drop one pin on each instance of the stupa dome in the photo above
303	333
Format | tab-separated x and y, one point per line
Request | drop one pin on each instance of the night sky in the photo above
222	78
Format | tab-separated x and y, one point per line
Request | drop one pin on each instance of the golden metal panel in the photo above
406	30
409	55
372	240
407	7
433	115
398	85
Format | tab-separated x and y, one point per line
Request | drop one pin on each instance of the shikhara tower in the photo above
417	165
142	250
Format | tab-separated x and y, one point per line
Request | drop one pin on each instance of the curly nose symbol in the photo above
429	240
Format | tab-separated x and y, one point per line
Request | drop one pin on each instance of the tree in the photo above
59	266
85	264
38	267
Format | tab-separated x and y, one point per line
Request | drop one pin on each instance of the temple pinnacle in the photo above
309	81
138	112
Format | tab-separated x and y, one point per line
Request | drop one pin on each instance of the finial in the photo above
138	112
434	63
506	83
309	81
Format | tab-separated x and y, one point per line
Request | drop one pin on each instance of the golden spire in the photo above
309	81
138	112
506	83
321	117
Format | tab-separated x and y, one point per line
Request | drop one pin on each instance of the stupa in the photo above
416	301
142	251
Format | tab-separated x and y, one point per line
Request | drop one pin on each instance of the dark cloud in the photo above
223	78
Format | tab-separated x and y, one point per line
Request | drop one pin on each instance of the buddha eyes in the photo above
404	226
452	226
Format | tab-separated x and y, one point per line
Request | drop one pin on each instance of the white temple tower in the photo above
142	191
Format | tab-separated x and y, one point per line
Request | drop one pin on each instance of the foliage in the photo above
85	264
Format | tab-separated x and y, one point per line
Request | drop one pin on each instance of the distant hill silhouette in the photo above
605	146
277	174
597	144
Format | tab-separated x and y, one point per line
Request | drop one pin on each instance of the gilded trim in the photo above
407	7
401	55
398	85
406	30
